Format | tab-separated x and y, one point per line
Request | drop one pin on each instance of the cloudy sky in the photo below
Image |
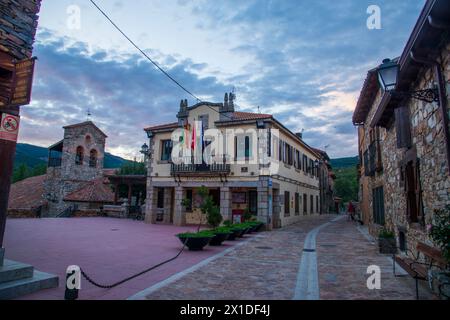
303	61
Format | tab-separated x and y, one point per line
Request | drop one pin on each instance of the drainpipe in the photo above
439	78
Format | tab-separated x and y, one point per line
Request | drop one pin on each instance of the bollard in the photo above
73	283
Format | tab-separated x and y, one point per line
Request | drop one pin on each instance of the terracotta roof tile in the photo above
172	125
27	194
93	191
250	116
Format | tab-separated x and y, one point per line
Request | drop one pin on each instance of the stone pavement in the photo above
267	267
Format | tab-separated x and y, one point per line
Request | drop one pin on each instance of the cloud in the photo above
304	61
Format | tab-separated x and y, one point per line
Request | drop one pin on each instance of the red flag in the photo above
193	140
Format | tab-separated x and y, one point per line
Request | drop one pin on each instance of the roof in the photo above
172	125
242	116
85	123
93	191
27	194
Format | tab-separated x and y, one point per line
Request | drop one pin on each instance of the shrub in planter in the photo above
234	233
239	229
196	241
220	235
387	242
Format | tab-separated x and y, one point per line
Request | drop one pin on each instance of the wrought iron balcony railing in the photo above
188	168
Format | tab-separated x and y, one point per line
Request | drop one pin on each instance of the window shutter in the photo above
403	127
269	143
418	190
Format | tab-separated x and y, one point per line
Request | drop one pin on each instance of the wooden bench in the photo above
419	270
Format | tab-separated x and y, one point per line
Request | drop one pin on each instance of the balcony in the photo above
54	162
200	169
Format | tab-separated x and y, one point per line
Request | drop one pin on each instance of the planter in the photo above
387	245
218	239
440	283
259	227
195	243
240	232
233	234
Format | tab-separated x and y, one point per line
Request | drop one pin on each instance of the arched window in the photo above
93	158
79	156
88	139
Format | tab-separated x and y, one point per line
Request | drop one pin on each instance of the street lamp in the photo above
145	151
388	75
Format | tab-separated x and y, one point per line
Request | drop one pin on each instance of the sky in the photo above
303	61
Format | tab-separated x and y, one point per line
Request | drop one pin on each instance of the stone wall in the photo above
18	23
428	137
71	176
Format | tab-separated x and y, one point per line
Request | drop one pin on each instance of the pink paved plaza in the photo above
107	249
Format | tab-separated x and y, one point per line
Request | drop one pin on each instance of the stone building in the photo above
326	183
75	170
261	168
404	134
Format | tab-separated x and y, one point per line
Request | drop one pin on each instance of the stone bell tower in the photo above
73	161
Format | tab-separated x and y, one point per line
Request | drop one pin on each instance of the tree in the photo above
133	168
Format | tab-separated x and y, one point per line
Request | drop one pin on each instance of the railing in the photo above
68	212
54	162
200	168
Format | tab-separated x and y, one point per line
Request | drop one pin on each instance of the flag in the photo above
193	140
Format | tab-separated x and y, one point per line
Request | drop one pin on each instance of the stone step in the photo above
12	270
17	288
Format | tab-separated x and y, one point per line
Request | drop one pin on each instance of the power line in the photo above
153	62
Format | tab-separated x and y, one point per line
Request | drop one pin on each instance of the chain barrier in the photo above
89	279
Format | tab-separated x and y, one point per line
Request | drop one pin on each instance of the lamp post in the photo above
144	151
388	75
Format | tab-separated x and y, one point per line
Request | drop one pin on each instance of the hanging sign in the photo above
23	81
9	127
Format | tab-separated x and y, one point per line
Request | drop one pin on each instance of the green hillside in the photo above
31	161
346	184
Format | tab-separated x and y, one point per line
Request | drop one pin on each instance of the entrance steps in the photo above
18	279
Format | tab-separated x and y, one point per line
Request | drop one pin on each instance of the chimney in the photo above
300	135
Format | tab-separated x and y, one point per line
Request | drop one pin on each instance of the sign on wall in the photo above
9	127
16	80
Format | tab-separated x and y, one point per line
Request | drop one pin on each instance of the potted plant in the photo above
439	231
387	242
220	235
196	241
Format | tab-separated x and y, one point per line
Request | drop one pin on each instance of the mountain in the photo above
33	156
345	162
346	183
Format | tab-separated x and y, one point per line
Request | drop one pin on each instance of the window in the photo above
269	143
378	205
402	126
305	163
317	204
243	147
166	150
189	197
79	156
93	158
298	160
160	200
287	209
311	203
413	192
88	139
204	119
305	204
297	204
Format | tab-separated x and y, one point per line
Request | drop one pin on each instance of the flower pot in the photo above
387	245
218	239
233	234
195	243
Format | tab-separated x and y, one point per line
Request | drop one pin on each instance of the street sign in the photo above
23	81
9	127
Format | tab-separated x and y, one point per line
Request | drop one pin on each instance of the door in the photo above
253	202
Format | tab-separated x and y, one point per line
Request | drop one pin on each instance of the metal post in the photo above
7	153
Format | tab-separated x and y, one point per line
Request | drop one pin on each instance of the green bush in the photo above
386	234
439	231
200	234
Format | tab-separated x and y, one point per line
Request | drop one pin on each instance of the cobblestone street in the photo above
269	266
